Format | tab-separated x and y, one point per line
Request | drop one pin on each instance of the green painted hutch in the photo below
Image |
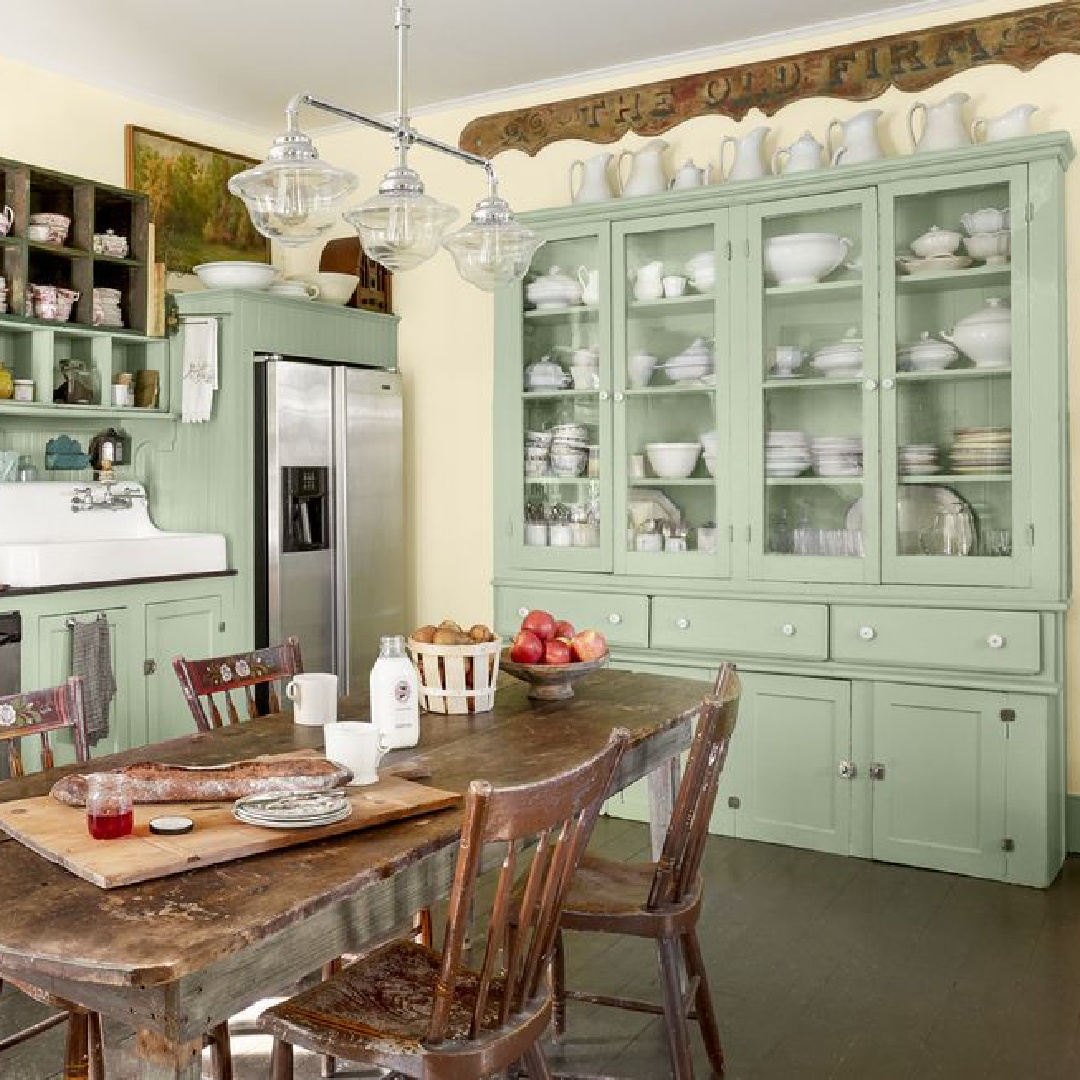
882	545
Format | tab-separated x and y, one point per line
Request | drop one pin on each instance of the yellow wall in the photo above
446	332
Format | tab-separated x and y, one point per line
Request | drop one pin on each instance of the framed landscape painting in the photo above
197	220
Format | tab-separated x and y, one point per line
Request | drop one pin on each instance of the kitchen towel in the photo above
91	658
199	371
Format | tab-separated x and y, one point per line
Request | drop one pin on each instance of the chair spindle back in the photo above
42	712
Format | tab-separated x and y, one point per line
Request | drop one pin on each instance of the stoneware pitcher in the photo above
595	185
803	155
646	169
590	285
749	161
943	128
1010	125
858	139
649	281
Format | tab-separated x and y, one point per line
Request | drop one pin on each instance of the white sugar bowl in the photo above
553	290
936	242
986	335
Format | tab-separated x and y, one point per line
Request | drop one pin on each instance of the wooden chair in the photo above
662	900
416	1011
41	713
201	680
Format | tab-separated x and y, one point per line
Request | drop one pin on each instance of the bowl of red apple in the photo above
550	655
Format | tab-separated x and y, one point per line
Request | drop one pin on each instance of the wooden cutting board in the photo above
58	832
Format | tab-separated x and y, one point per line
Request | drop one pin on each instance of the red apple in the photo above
541	623
564	629
588	645
556	652
526	648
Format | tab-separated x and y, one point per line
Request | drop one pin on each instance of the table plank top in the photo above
156	932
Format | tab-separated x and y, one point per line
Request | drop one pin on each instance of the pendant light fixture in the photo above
293	197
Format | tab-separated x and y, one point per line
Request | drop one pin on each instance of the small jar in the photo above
26	470
24	389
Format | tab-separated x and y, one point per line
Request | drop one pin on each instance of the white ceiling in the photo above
241	60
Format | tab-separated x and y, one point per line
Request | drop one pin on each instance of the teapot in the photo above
943	127
649	282
646	169
553	290
952	532
590	285
595	185
689	176
858	139
803	155
1009	125
749	161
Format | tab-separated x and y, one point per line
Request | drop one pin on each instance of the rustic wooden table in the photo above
175	956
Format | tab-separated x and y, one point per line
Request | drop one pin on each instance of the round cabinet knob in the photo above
614	618
683	623
619	395
888	384
867	633
996	641
788	629
522	612
604	395
869	384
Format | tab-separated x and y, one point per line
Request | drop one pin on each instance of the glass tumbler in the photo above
109	810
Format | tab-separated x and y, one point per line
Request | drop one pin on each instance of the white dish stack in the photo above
787	453
837	455
107	307
988	235
919	459
569	449
982	450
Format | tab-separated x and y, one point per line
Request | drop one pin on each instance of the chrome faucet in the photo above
113	498
82	499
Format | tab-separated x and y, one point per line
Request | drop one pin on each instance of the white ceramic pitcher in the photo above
595	184
590	285
858	139
943	128
803	155
1010	125
749	161
646	169
649	281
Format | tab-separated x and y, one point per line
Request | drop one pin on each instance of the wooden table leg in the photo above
663	783
161	1058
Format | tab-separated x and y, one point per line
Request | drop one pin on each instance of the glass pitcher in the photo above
952	532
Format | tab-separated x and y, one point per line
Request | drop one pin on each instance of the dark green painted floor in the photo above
821	967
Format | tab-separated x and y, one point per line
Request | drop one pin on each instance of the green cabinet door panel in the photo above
127	719
940	798
621	617
791	738
186	628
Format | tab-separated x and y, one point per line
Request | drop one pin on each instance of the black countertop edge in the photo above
6	591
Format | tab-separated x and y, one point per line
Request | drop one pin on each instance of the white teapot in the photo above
943	127
595	185
803	155
649	281
689	175
646	169
553	290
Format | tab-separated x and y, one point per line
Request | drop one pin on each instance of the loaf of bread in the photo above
154	783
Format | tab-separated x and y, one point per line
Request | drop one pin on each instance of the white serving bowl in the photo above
804	258
333	288
991	247
673	460
235	275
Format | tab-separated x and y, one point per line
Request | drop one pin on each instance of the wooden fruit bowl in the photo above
551	682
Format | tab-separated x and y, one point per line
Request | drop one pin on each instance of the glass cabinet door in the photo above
561	409
813	367
672	387
954	410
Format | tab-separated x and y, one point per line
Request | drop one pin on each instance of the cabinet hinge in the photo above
149	667
731	534
221	628
727	251
734	802
1029	212
748	247
1007	716
1008	844
1031	535
510	528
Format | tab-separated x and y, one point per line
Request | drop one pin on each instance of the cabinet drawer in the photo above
622	618
938	637
741	626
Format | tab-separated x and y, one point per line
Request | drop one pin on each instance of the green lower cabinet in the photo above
53	650
190	628
782	781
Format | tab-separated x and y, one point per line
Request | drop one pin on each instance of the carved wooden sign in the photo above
857	71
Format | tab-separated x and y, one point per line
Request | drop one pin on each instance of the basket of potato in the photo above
457	668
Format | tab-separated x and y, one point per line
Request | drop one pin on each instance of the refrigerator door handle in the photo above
340	487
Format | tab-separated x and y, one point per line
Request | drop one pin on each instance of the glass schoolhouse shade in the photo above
293	197
493	249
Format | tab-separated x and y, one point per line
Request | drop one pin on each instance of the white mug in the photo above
314	696
674	285
357	745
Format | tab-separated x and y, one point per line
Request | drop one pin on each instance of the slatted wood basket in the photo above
457	678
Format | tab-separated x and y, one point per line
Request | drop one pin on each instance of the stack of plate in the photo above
837	455
293	809
982	450
787	453
919	459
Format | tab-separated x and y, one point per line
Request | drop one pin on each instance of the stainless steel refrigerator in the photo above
329	558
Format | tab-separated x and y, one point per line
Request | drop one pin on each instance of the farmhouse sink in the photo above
45	541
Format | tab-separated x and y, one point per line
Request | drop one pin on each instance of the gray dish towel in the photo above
91	658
